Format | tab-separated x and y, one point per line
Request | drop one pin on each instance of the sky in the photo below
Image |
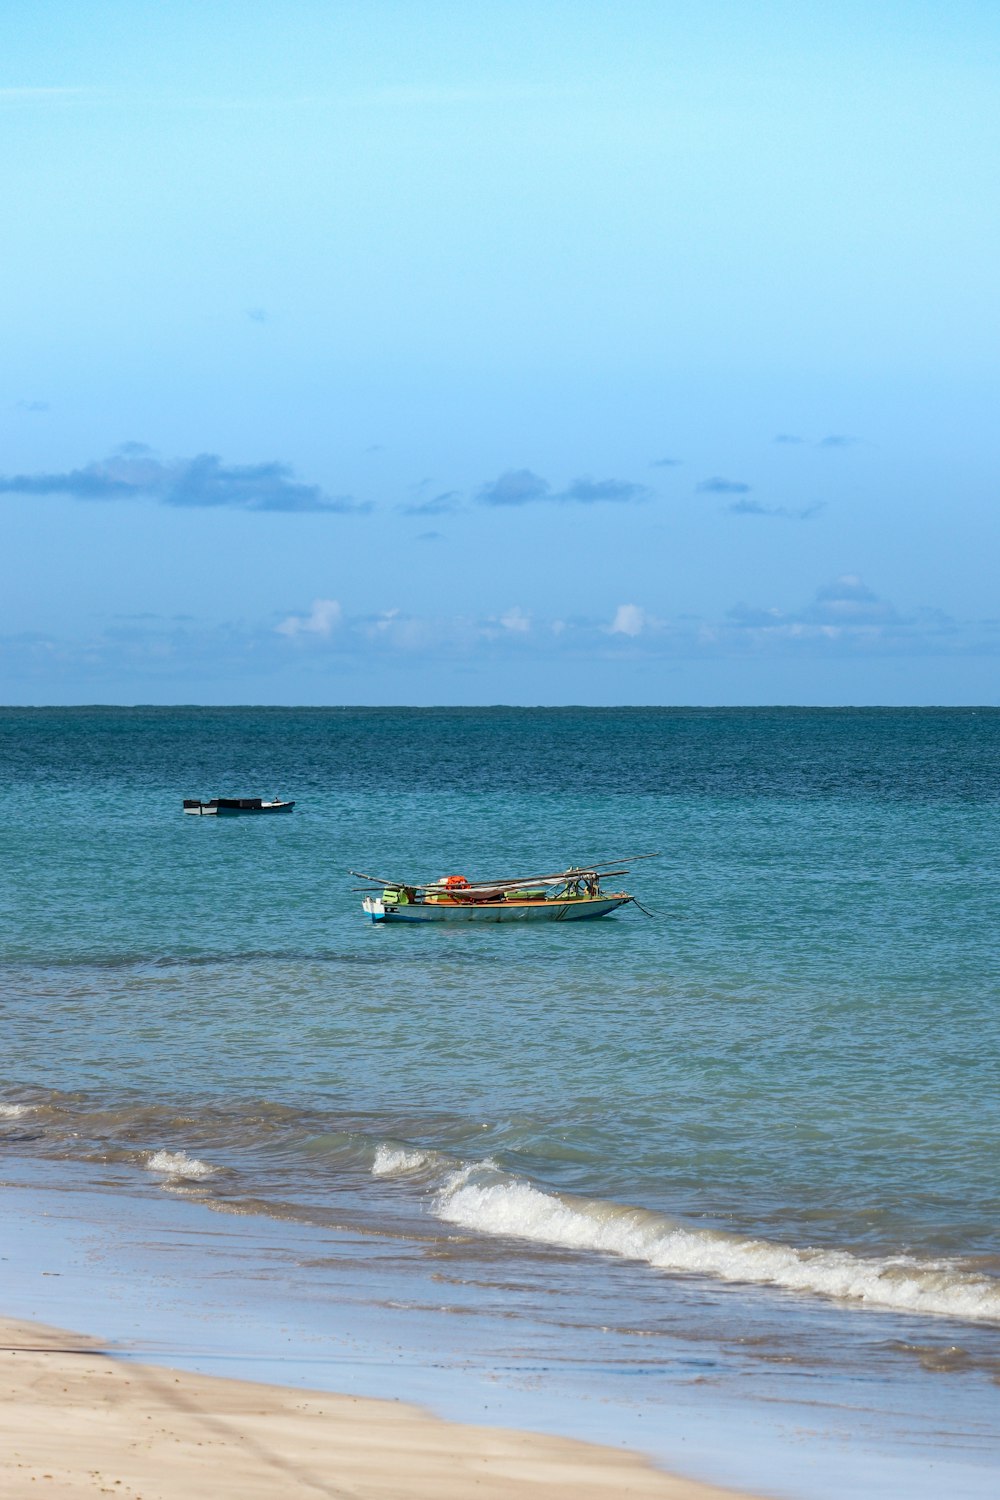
428	352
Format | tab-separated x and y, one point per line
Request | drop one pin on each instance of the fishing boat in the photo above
228	807
571	895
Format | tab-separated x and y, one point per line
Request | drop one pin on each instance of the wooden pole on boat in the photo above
604	869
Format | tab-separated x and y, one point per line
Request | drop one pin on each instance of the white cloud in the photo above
385	621
630	619
322	620
515	619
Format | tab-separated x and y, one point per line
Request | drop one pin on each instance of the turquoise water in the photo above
761	1122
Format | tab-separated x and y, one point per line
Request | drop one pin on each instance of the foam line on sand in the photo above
77	1421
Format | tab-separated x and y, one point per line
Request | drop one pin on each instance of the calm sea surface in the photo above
760	1124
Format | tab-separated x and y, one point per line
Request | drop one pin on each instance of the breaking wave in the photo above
178	1164
397	1161
483	1198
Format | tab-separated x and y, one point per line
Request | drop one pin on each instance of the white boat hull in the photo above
576	910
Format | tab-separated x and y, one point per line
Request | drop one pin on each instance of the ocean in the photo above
729	1166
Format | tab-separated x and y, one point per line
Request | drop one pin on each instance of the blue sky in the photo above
438	353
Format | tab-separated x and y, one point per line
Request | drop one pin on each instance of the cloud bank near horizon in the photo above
845	620
844	617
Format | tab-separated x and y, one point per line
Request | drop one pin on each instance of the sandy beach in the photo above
76	1418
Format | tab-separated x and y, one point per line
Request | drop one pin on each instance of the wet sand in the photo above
77	1420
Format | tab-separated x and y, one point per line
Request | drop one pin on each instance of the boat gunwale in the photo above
545	901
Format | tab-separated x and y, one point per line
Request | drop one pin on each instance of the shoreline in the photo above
80	1416
164	1283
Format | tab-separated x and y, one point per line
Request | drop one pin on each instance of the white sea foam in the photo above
481	1198
396	1161
178	1164
14	1111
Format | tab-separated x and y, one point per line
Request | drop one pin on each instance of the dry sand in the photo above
74	1420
